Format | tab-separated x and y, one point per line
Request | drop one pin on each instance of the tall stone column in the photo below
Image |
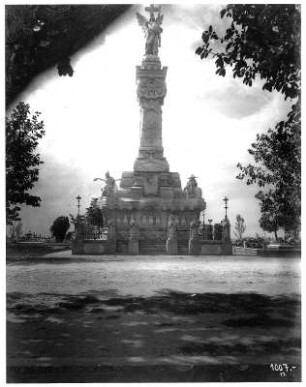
151	91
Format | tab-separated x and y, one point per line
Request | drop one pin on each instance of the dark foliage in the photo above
59	228
22	134
94	214
277	211
39	37
263	40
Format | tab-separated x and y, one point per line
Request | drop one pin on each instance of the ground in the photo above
152	319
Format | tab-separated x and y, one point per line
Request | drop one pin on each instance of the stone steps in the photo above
182	242
152	247
182	246
122	247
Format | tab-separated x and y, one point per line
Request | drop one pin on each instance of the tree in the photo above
22	134
94	214
39	37
59	228
15	231
240	227
263	40
18	230
276	213
270	212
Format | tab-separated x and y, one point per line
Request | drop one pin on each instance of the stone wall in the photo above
92	247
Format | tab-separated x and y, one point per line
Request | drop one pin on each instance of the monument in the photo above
150	213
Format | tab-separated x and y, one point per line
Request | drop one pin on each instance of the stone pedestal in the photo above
133	247
226	232
150	199
171	246
93	247
111	237
194	247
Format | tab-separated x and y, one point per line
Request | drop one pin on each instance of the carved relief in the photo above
151	185
154	164
179	194
152	180
151	88
172	231
133	231
152	104
149	155
138	181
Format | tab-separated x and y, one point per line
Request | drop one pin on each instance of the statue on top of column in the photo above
151	29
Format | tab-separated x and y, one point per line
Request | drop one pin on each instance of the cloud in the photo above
236	100
58	186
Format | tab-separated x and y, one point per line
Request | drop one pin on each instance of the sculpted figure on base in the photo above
171	227
110	184
191	188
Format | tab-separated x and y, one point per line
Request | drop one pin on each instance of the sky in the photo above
92	119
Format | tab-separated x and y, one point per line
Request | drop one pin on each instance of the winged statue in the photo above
152	29
110	184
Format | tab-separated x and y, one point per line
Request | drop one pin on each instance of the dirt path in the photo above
144	275
90	321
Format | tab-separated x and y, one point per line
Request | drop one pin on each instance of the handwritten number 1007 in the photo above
279	367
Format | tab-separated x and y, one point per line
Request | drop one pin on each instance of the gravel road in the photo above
144	275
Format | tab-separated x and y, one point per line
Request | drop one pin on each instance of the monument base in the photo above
147	200
171	246
92	247
213	247
151	247
152	165
133	247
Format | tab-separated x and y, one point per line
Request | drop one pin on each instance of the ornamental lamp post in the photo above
226	206
78	198
203	217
